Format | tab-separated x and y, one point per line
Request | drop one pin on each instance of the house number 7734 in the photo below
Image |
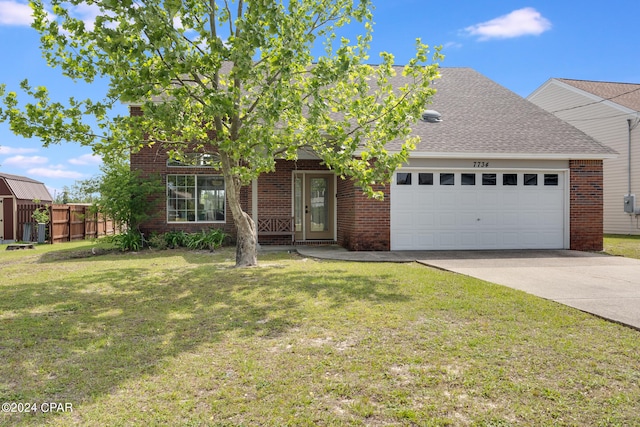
480	164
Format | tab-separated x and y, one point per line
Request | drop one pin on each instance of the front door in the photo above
314	205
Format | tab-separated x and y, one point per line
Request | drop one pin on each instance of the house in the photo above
610	113
16	191
493	171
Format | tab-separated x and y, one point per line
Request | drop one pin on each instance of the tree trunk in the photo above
246	244
246	239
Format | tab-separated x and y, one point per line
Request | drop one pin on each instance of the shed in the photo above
17	190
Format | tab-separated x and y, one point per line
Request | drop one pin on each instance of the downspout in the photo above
629	175
629	157
632	124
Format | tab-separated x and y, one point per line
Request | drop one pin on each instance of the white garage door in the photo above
477	210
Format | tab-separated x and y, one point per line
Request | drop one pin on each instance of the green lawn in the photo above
183	338
622	245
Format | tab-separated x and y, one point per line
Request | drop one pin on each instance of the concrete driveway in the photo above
606	286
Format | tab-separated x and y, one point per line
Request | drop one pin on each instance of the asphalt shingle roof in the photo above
625	94
480	116
24	188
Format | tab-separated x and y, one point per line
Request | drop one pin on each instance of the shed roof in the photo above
24	188
625	94
481	117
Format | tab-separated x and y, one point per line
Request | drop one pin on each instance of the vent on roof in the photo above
431	116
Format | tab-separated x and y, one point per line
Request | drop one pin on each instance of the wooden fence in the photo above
68	222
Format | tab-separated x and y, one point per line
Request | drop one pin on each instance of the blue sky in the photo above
518	44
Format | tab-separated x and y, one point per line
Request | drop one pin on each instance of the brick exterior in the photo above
586	205
153	161
275	193
362	223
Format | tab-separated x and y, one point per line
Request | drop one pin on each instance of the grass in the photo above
622	245
182	338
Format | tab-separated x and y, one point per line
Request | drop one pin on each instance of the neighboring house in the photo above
496	172
14	191
610	113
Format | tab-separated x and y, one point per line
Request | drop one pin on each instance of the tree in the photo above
123	196
234	76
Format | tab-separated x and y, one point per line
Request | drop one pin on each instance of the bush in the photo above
158	241
205	240
175	239
129	241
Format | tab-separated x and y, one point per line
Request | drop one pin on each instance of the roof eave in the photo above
514	156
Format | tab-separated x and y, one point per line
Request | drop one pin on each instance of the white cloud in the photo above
87	13
7	151
14	13
55	172
86	159
17	13
521	22
25	161
452	45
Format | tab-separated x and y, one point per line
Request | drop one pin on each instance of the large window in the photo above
195	198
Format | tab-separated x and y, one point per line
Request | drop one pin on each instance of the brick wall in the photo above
364	224
153	160
586	205
275	194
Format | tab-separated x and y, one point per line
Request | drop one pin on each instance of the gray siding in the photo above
606	122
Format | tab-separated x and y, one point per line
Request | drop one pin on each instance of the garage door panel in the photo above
489	239
468	240
446	219
447	240
488	219
424	220
510	239
467	219
478	216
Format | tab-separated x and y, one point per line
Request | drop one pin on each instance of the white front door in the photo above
439	209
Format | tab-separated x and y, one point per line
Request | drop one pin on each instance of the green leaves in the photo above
124	194
240	77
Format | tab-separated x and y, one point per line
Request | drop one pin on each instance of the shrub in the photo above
129	241
175	239
208	240
158	241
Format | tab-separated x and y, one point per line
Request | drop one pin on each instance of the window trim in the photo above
194	199
490	179
425	178
468	179
406	178
446	175
551	179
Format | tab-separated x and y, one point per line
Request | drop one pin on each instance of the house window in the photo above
403	178
530	179
195	198
202	160
468	179
447	179
489	179
510	179
425	179
551	179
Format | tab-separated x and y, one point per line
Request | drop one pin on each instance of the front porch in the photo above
302	203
